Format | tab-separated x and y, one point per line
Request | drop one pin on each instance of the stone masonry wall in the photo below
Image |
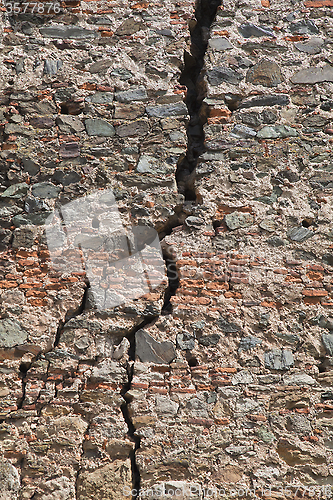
211	123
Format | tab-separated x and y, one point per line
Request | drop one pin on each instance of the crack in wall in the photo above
191	77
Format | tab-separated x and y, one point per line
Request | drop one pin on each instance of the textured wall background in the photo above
211	123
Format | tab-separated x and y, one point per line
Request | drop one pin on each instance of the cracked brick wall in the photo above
211	123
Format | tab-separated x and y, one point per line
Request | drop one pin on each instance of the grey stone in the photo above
9	481
276	131
247	343
23	237
69	124
299	233
266	73
128	96
299	378
219	75
193	221
27	219
185	341
165	406
288	337
100	98
137	128
317	121
249	30
71	32
100	66
227	327
251	118
11	333
149	350
299	424
87	241
225	243
269	116
209	340
152	165
129	27
15	191
220	44
30	166
327	339
327	259
165	110
314	75
240	130
121	73
264	320
265	435
322	180
304	27
269	200
312	46
101	128
265	100
268	225
278	359
236	220
242	377
51	67
20	66
45	190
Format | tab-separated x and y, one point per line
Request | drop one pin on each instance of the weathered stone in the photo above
315	121
278	359
298	378
299	424
220	44
45	190
209	340
24	237
128	96
70	32
268	225
165	406
304	27
314	75
227	327
16	191
265	72
69	150
101	128
30	166
265	435
251	118
299	233
185	341
129	27
151	351
276	131
236	220
69	124
312	46
240	130
35	219
100	98
51	67
100	66
327	339
9	481
106	483
151	165
247	343
136	128
128	111
11	333
249	30
265	100
323	180
163	111
220	75
242	377
20	66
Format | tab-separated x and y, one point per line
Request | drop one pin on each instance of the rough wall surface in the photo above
211	123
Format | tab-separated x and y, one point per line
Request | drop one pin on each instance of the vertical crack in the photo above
191	77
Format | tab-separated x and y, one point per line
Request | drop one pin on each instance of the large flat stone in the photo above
279	359
11	333
314	75
71	32
220	75
248	30
266	73
101	128
220	44
276	131
165	110
265	100
149	350
312	46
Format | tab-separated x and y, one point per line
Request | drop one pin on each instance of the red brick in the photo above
314	293
318	3
222	421
207	422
